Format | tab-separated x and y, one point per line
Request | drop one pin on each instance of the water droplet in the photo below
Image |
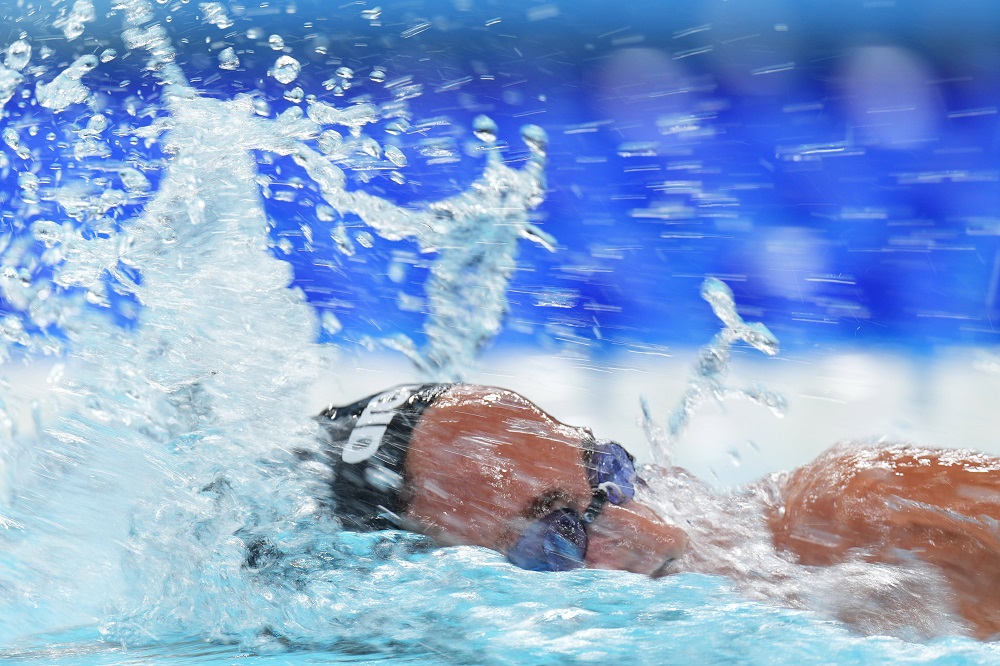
377	75
11	138
365	239
418	27
90	148
324	213
97	124
261	107
371	148
28	182
73	23
535	138
485	129
345	72
47	232
18	55
331	324
397	126
276	42
329	141
342	240
286	69
9	80
395	155
215	13
133	180
228	58
107	55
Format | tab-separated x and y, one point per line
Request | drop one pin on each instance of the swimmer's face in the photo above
485	464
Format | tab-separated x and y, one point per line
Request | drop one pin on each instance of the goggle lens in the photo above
613	469
558	541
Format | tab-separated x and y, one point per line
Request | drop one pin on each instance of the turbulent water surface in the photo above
151	221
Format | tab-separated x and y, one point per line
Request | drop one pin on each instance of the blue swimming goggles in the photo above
558	541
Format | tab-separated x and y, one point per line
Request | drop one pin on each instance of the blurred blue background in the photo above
835	163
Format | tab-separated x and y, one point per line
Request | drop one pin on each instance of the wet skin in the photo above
895	503
484	463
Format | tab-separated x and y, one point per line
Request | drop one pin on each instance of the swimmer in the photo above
475	465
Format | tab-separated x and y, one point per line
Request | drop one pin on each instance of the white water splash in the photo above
184	437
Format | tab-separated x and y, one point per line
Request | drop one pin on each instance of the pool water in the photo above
211	209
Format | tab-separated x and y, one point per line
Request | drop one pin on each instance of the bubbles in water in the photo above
66	88
107	55
215	13
295	95
377	75
18	55
276	42
286	69
72	24
371	14
228	58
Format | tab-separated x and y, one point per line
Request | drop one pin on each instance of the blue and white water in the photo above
155	224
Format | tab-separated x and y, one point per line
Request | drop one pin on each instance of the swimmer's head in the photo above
496	471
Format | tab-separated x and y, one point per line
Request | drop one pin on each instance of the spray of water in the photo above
179	445
170	485
707	380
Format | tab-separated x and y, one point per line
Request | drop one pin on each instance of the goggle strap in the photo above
596	506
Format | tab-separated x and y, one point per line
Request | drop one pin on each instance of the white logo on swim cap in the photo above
367	435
